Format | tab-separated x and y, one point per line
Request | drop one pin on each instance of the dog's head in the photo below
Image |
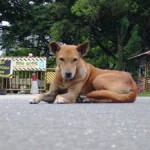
68	57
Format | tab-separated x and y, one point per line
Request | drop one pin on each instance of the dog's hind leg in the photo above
84	99
106	96
94	100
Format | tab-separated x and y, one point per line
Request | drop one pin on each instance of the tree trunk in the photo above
120	53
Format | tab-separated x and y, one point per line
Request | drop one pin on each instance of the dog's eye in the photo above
75	59
62	59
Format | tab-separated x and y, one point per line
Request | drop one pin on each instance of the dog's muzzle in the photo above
68	75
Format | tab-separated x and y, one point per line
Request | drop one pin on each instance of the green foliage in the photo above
82	7
51	63
58	30
17	51
134	41
29	27
124	28
116	29
99	59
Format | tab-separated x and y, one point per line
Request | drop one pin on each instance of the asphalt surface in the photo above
43	126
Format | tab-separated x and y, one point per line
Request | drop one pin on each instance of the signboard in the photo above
6	68
29	64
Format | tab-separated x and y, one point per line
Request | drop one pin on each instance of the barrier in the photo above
21	78
50	73
23	68
21	81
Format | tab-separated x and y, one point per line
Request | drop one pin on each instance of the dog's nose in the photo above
68	75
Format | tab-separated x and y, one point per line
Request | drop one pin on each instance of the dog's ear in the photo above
83	48
54	47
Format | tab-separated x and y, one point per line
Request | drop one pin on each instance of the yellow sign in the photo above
6	68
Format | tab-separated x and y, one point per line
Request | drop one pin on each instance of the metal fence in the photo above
21	81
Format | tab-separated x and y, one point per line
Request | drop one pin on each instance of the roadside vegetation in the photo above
144	94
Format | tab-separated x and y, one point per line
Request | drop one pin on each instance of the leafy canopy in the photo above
116	29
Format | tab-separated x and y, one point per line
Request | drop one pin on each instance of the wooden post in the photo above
146	76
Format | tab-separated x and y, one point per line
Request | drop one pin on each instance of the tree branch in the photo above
107	51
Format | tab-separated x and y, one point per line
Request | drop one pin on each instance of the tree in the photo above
29	24
116	29
112	27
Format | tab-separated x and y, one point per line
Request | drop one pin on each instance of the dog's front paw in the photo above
35	100
59	100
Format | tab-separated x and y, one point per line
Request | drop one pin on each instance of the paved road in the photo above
73	126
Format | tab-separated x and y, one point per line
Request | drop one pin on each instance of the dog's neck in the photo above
82	69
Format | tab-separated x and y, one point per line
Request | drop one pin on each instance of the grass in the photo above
144	94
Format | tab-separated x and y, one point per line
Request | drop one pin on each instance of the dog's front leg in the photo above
70	96
46	97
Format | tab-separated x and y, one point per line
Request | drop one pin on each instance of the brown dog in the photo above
75	77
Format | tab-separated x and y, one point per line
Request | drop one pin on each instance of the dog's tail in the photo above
97	96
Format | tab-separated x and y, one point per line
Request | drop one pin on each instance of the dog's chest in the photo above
64	85
86	89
